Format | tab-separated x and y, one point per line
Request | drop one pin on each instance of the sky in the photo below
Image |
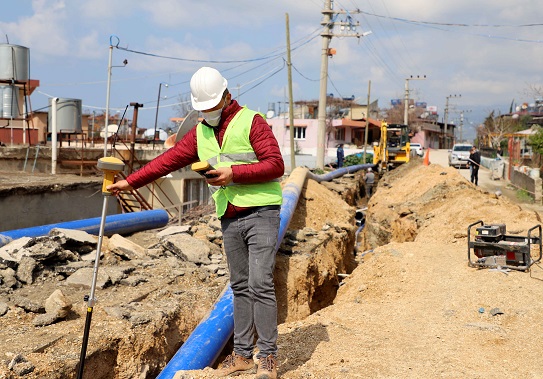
481	55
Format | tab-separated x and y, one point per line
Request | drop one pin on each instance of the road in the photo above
486	182
440	157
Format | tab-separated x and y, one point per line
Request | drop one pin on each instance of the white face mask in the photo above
214	117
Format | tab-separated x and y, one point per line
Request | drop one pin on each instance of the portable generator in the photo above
493	248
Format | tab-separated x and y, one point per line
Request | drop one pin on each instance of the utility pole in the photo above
446	120
367	124
406	101
157	107
328	24
291	101
462	123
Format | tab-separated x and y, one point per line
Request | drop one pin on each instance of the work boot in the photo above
267	368
235	365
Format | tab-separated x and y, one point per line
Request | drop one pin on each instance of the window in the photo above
340	134
299	132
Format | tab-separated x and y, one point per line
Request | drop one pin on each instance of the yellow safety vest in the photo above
236	149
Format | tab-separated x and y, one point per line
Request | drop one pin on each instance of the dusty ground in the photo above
412	308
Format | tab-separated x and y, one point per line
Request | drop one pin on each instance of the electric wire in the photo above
300	42
302	75
439	26
333	85
455	24
400	37
263	80
392	57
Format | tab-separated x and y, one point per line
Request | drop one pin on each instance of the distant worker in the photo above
340	155
474	163
245	185
369	179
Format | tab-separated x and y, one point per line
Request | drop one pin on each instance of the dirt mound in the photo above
416	203
415	309
412	308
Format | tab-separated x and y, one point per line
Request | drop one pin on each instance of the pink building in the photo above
339	131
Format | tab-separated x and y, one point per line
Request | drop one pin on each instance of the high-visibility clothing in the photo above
236	149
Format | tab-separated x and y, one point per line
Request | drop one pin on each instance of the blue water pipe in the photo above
209	338
124	223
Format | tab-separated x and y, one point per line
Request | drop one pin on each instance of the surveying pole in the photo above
348	28
110	166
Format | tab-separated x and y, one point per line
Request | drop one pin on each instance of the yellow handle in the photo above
110	166
109	178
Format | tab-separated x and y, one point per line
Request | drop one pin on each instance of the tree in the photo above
184	106
534	91
536	141
495	128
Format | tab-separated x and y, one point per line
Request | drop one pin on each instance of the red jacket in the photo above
270	163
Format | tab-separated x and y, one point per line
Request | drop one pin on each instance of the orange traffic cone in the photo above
427	157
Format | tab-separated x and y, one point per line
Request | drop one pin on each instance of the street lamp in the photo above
109	67
406	101
157	106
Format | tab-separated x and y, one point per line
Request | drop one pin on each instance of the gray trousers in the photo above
249	242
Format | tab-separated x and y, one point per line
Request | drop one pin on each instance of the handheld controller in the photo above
110	166
202	168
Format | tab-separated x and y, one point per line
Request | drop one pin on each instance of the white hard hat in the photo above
369	169
207	86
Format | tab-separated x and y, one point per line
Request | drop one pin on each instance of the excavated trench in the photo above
155	302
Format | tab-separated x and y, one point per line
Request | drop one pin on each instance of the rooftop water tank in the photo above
9	101
69	113
14	62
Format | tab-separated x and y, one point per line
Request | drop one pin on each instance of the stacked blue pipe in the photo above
209	338
125	223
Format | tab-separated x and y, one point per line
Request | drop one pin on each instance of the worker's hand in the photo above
223	178
120	186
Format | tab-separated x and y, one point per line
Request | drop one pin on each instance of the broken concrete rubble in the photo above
148	307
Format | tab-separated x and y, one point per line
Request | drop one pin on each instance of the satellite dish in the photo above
188	123
270	114
111	130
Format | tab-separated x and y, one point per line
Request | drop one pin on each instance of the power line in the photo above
453	24
438	26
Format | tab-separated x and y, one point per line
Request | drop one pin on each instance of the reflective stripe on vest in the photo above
236	149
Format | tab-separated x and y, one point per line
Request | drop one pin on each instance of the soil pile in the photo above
413	308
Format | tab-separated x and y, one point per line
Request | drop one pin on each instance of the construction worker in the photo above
247	162
369	179
340	155
474	163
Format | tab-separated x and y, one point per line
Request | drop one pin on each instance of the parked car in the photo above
459	155
417	147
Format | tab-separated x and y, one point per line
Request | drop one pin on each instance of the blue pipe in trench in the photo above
208	339
125	223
